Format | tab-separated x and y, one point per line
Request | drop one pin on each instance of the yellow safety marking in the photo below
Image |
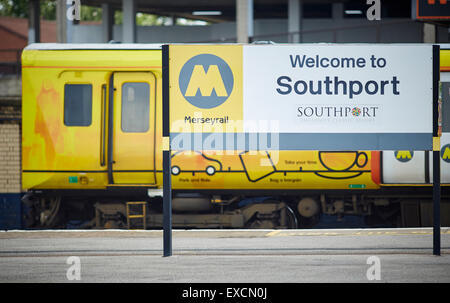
137	203
136	216
280	233
165	143
273	233
436	143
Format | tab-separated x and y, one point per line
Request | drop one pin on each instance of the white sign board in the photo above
310	96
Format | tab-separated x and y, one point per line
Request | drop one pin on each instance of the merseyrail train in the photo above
92	153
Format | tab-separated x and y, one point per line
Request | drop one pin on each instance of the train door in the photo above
132	141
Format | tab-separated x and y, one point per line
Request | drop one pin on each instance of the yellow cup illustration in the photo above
343	161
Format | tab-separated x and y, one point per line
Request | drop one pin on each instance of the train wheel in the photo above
50	209
271	214
291	218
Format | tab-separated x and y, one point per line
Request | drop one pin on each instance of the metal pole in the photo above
436	157
167	182
34	28
436	203
167	205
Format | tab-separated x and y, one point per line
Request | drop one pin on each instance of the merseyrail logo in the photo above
404	155
445	153
206	81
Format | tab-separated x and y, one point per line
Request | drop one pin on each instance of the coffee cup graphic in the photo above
343	160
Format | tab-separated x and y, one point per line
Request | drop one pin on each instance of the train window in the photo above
77	104
135	107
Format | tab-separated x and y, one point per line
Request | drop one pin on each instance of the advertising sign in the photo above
431	9
301	97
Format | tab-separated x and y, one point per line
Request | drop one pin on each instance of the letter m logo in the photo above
445	153
206	82
404	155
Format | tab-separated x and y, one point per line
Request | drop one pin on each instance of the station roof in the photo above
263	9
273	9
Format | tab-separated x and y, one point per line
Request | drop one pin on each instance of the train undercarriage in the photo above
72	209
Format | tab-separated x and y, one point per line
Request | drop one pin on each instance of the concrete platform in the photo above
242	256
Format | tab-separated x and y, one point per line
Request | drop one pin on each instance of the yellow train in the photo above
92	141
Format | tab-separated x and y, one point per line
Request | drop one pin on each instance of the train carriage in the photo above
92	141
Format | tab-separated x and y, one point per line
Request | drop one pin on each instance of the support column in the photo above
129	21
294	20
61	21
244	20
174	20
107	22
429	33
337	13
69	29
70	11
34	28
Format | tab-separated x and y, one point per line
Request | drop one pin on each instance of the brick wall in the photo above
10	159
10	134
10	88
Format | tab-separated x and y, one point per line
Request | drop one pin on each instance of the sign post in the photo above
326	97
167	182
436	157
